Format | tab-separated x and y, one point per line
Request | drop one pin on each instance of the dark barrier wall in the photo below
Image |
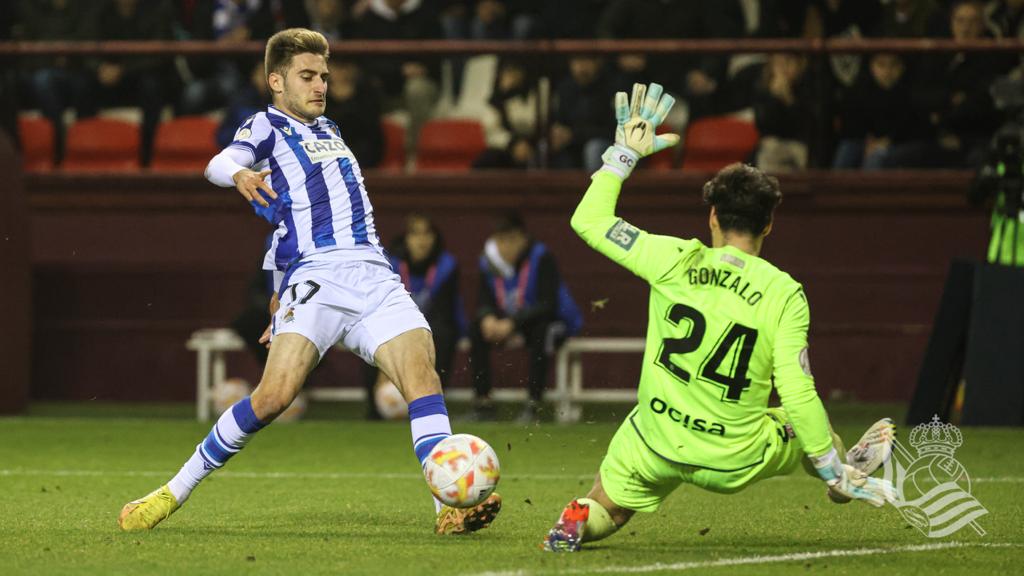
125	267
15	288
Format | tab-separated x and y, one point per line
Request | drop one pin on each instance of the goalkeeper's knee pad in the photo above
599	522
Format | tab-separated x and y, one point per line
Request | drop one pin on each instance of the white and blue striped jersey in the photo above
321	206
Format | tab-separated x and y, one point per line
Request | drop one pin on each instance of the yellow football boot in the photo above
465	520
148	511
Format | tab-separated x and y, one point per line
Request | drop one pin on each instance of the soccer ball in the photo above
462	470
390	403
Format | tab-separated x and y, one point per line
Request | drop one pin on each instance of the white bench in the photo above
569	391
211	345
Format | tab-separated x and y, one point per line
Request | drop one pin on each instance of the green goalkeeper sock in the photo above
599	522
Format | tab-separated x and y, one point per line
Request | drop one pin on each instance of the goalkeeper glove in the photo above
845	481
637	120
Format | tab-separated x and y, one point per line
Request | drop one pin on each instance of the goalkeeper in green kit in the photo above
723	324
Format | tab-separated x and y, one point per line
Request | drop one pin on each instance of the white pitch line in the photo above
759	559
357	476
376	475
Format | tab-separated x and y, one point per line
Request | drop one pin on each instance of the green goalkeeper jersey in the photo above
722	325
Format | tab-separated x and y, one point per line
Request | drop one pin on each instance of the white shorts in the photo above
360	304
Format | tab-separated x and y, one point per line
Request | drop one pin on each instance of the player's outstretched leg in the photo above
291	358
586	520
583	520
408	360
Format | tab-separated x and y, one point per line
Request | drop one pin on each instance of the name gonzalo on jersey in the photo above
720	278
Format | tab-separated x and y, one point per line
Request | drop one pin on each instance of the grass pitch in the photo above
344	497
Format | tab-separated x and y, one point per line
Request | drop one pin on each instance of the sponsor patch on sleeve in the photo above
623	234
805	361
243	133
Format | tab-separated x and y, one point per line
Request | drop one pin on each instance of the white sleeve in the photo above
224	166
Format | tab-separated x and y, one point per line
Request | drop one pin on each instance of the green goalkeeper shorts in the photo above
636	478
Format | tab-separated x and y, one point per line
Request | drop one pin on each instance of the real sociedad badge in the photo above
933	490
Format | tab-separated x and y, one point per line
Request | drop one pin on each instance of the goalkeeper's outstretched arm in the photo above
646	255
806	414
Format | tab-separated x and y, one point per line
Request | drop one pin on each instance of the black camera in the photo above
1001	177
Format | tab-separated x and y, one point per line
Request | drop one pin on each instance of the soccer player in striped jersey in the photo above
724	326
334	283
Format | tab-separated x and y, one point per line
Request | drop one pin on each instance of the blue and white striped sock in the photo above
428	419
229	435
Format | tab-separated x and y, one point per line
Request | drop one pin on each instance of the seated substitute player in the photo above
334	282
722	323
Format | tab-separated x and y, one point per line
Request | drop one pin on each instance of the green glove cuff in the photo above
620	160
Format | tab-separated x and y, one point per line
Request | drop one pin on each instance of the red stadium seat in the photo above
185	143
449	144
102	144
394	146
713	143
36	136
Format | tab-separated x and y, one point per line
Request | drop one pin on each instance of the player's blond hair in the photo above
284	45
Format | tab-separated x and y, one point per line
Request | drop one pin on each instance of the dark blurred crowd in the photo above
850	111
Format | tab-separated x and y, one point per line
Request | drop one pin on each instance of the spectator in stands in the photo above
431	275
485	20
1005	19
250	99
55	83
652	19
780	18
843	19
406	82
880	126
521	301
489	19
955	92
782	99
704	77
210	82
330	18
354	104
908	19
510	122
130	80
569	18
582	118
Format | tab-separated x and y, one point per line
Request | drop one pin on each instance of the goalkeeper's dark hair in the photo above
743	197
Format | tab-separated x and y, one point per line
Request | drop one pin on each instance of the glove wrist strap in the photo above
829	467
619	160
